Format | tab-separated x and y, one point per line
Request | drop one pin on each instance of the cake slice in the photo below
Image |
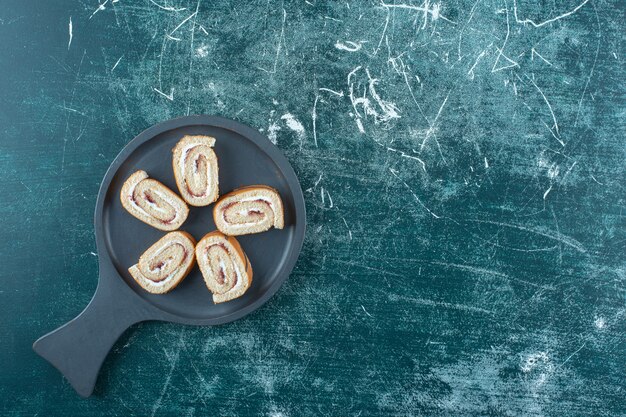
225	267
196	170
152	202
247	210
166	263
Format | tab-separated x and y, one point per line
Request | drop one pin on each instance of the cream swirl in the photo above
165	264
196	170
224	266
248	210
152	202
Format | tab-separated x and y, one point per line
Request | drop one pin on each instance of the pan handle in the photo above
78	348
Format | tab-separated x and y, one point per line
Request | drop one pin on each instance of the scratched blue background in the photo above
463	166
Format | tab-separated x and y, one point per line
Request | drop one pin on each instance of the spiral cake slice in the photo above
152	202
225	267
196	170
249	210
166	263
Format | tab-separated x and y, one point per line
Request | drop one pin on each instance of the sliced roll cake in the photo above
153	203
225	267
249	210
195	169
166	263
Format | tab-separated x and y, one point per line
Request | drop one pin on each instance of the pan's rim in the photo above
266	146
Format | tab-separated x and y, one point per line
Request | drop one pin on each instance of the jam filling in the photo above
197	163
198	160
202	194
168	221
258	214
148	197
160	265
221	275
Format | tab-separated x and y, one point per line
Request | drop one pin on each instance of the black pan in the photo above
246	157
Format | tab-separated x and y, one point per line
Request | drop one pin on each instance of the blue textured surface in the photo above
463	163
